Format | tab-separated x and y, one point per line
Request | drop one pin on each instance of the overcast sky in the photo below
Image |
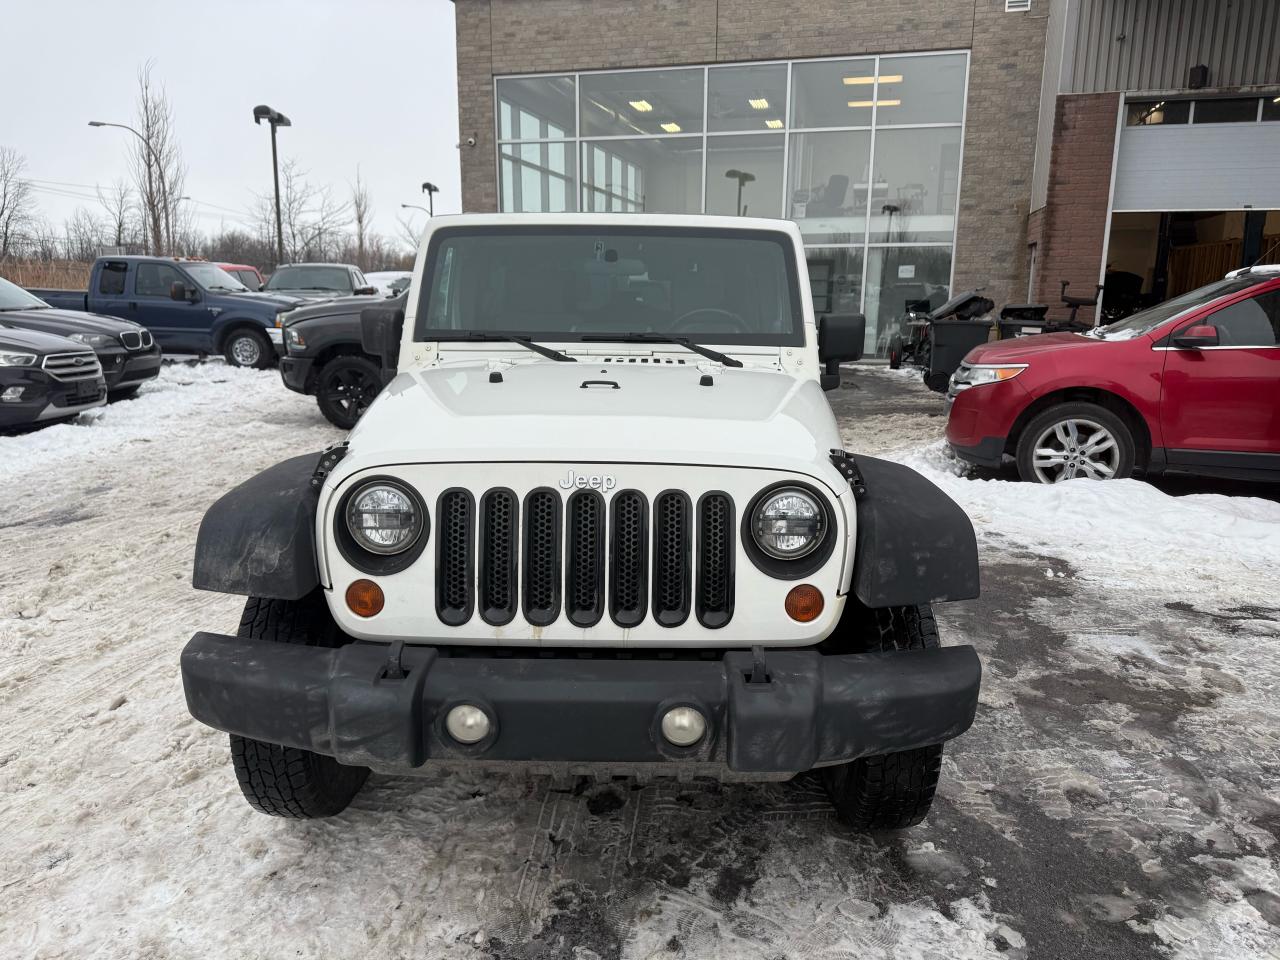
369	83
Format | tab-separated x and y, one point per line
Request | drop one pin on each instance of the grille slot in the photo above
715	560
72	366
584	582
541	557
499	550
671	566
629	558
455	567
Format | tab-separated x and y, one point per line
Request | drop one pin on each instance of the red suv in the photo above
1191	385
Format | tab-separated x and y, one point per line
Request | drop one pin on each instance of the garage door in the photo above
1219	166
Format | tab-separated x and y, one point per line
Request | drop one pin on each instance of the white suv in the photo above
599	521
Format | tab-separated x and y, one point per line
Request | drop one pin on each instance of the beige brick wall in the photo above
498	37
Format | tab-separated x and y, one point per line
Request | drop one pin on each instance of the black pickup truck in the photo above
323	357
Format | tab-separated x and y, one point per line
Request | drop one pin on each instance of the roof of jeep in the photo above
679	220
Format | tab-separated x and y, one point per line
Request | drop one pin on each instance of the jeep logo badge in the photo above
595	481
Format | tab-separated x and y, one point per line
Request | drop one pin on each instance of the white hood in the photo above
541	411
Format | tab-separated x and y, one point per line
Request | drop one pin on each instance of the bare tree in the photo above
408	233
84	235
314	223
361	214
17	205
118	204
159	172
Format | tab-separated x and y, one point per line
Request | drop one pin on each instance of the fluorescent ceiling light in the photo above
671	127
1276	100
875	103
759	103
641	106
773	124
864	81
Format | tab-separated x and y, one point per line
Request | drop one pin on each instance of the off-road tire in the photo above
890	791
266	353
895	352
1076	410
286	781
347	376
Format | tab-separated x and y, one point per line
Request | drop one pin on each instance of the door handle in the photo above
133	304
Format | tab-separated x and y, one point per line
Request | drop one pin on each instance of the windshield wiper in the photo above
685	342
508	338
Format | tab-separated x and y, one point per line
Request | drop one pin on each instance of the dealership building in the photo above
923	147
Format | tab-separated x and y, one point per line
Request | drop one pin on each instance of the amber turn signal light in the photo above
804	603
365	599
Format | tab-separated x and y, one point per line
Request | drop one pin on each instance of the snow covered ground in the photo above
1119	795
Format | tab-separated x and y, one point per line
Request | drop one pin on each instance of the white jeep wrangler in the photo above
599	522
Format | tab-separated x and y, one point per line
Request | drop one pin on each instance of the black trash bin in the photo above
1021	320
949	340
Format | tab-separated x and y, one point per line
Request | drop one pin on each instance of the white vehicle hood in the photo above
541	411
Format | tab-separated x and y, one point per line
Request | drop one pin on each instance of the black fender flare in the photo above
914	543
259	539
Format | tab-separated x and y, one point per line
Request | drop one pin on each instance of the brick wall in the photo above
534	36
1071	228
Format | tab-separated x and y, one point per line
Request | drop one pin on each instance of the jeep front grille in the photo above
72	366
454	566
558	547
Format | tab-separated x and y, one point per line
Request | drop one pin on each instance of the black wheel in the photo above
345	388
1074	440
895	353
247	347
890	791
124	393
937	381
285	781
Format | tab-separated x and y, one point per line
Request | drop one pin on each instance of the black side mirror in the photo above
380	331
365	291
261	287
840	338
178	291
1197	337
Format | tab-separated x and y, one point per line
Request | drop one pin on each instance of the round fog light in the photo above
467	724
683	726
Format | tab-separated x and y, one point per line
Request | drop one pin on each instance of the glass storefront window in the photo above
827	185
916	185
897	278
922	89
641	102
832	93
642	175
535	108
835	279
744	175
537	177
863	153
747	98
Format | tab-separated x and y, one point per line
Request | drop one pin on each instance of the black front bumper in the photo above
988	452
43	397
812	711
295	372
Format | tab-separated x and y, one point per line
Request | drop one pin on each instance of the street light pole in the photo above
276	119
414	206
157	240
430	189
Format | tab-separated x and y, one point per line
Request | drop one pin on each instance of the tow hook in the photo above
759	672
393	669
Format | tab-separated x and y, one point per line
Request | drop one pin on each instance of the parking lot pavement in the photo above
1117	797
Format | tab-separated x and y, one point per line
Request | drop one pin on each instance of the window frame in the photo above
182	277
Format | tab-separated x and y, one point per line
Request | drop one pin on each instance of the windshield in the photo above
337	279
570	283
1147	320
213	278
13	297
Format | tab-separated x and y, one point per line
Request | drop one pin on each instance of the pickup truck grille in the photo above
552	553
72	366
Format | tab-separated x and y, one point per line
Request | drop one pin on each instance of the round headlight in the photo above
789	523
384	518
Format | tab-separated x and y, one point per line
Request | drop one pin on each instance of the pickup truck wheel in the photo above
247	348
285	781
1073	440
890	791
345	388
